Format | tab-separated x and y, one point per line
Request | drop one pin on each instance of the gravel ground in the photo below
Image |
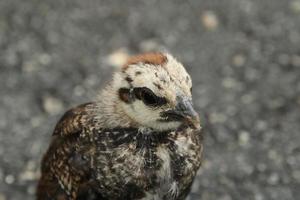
243	55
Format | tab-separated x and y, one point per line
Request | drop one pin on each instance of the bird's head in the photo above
154	90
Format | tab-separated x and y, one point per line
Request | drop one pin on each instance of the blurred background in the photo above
243	55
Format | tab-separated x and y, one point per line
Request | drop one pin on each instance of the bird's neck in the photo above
110	112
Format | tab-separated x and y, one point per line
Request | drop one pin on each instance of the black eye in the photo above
191	89
148	97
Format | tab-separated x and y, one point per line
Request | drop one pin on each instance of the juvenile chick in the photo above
140	140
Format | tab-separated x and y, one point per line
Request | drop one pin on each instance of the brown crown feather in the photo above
156	58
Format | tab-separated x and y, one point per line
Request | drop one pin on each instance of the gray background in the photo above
243	55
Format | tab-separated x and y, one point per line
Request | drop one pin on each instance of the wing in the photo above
64	168
74	120
68	165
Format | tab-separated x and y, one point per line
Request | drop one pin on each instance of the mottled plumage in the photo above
100	151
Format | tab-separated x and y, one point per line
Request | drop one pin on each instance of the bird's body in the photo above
98	151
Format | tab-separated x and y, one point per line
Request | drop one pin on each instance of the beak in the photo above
184	111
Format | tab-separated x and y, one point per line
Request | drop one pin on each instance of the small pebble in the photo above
36	121
30	66
261	167
238	60
52	105
45	59
9	179
31	190
247	98
261	125
229	83
273	179
149	45
273	155
225	197
118	58
244	138
291	160
207	164
2	197
78	90
28	176
258	196
295	60
295	6
296	175
217	117
209	20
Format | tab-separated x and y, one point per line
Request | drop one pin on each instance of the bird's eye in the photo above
148	97
191	89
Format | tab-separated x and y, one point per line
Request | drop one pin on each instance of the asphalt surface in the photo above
244	58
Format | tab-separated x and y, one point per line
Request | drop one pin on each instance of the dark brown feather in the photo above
88	162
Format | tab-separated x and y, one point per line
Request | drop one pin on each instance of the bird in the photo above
140	139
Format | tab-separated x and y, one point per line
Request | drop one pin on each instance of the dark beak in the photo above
183	111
